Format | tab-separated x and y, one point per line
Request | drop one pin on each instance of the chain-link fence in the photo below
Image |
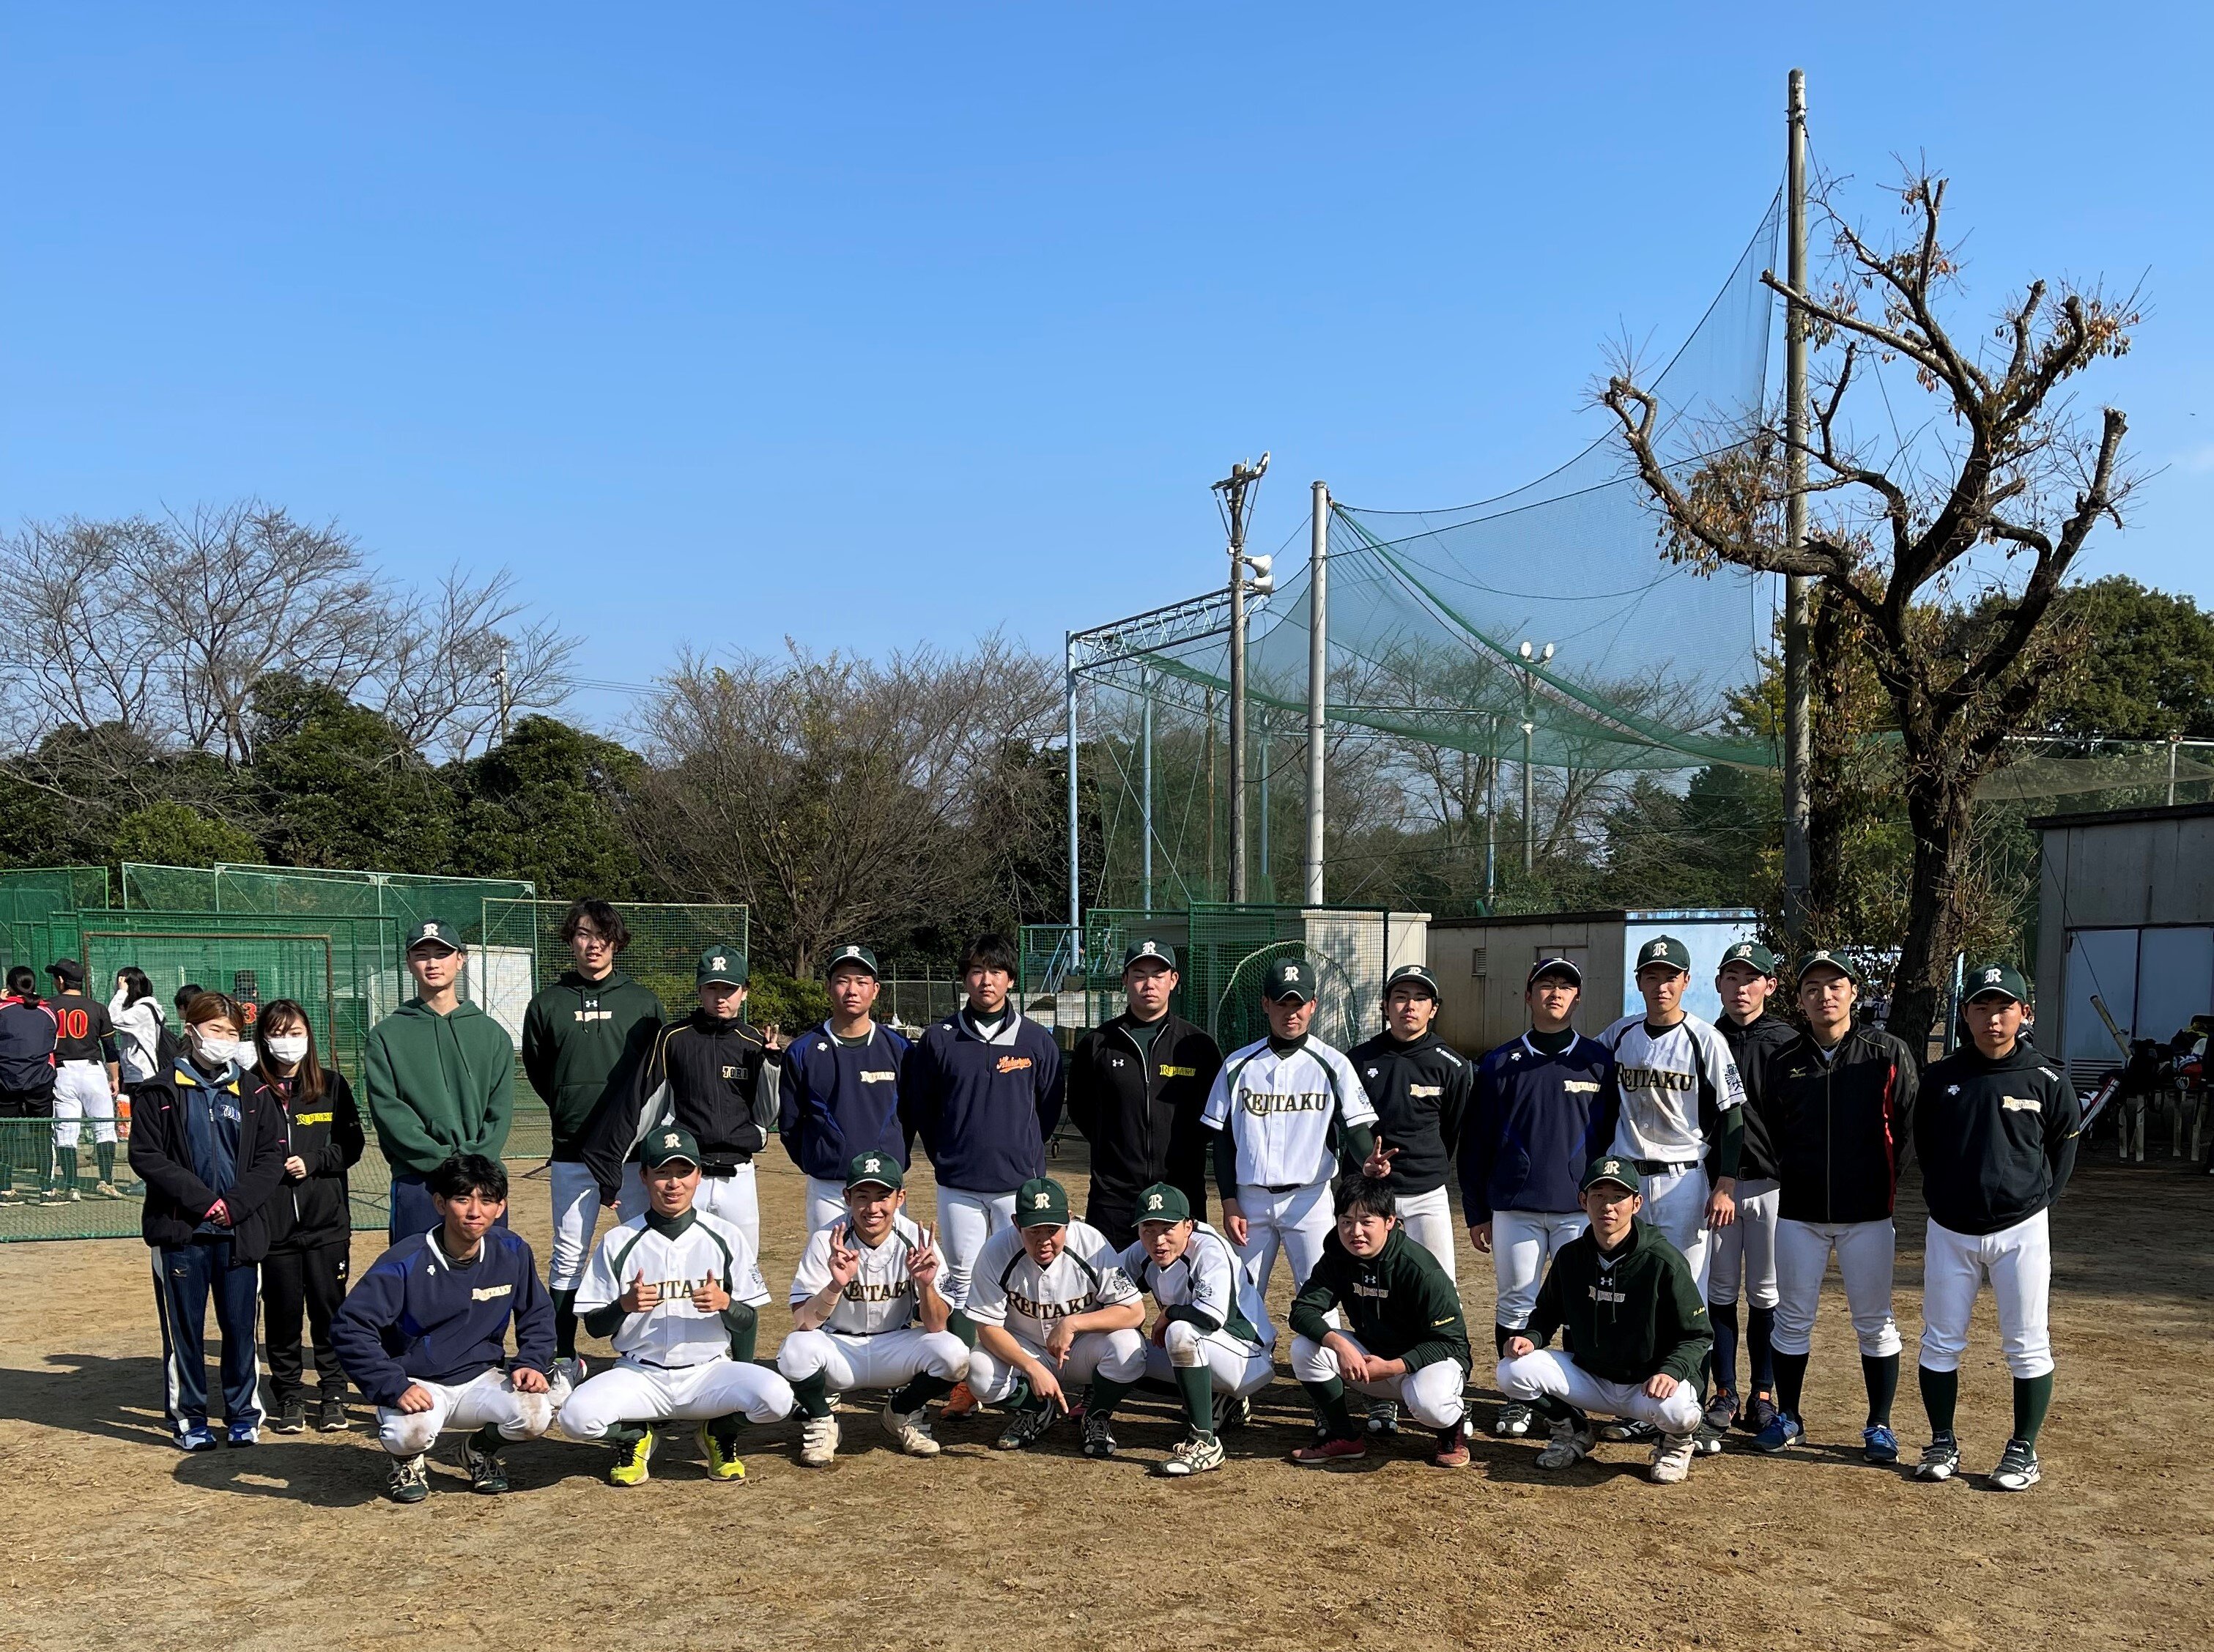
522	949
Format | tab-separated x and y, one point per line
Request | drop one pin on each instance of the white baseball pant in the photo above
576	1214
1431	1395
1866	1252
2018	1262
965	1220
1428	1218
1745	1249
732	1197
826	1202
1295	1223
1118	1355
81	1091
1236	1367
885	1360
1675	1204
1548	1374
631	1391
1523	1245
491	1396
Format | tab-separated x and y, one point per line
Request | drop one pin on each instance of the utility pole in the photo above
1798	727
1317	685
1530	657
1145	801
499	687
1234	493
1075	822
1491	819
1213	890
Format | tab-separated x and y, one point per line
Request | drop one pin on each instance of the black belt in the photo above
1661	1166
1288	1187
724	1166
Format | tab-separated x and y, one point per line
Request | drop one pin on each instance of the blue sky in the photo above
876	324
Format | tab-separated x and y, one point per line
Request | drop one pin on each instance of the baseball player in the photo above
1052	1307
1405	1338
865	1313
1420	1088
27	1036
423	1334
1544	1108
1213	1337
1996	1131
583	1039
1634	1336
1743	1253
675	1288
1839	1101
840	1094
88	1079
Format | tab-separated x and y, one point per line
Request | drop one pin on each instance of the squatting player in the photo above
1743	1264
840	1094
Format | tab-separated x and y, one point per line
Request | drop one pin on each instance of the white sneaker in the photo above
818	1441
1191	1456
910	1431
1672	1460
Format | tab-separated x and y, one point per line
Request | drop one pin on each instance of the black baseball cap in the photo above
434	932
860	958
1753	954
1042	1202
68	969
1994	980
1822	957
1148	951
1411	975
667	1145
1666	951
1289	980
880	1168
1565	968
725	964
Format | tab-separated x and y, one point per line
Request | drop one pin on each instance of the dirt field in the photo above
113	1539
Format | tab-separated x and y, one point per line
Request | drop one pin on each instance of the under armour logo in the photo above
1153	1202
1372	1072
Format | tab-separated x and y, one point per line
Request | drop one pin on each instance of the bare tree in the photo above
457	661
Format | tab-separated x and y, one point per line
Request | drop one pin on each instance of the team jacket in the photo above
679	1254
1625	1319
1285	1115
1421	1094
1141	1112
1536	1122
194	1140
1682	1099
1753	1045
835	1101
416	1315
1840	1125
715	1077
327	1133
438	1084
82	1031
982	1108
1208	1287
27	1036
1997	1139
582	1044
1397	1304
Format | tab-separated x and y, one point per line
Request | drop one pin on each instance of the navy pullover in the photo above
982	1108
838	1100
1536	1122
416	1316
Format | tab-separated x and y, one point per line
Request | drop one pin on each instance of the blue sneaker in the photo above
199	1437
1779	1434
245	1433
1878	1444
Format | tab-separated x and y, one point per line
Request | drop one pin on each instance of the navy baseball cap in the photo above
1753	954
1411	975
1565	968
1612	1167
1148	951
858	957
1666	951
1289	980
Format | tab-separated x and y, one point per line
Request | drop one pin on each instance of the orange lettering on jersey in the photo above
1013	1063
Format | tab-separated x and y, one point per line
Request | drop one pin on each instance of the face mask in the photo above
290	1047
215	1051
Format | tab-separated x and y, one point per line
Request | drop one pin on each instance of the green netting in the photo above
168	889
409	897
522	949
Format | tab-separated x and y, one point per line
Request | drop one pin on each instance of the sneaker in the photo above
1451	1450
959	1402
1783	1431
8	1196
1671	1461
291	1415
1758	1415
1231	1411
488	1474
409	1480
1627	1433
570	1368
1721	1411
1940	1458
1707	1440
331	1415
1193	1454
107	1190
1383	1417
1098	1438
1514	1421
1570	1444
1878	1444
2018	1468
53	1195
910	1430
1330	1452
199	1437
818	1441
722	1462
1025	1429
243	1434
631	1460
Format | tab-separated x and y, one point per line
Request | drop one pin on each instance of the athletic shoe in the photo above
570	1368
631	1460
488	1474
107	1190
818	1441
1098	1438
1231	1411
1721	1411
1758	1415
722	1462
53	1195
1025	1429
910	1430
1625	1432
1451	1450
291	1415
1671	1461
409	1480
331	1417
1514	1421
959	1402
1328	1453
199	1437
1707	1440
2018	1468
1878	1444
243	1434
1940	1458
1570	1444
1193	1454
1383	1417
1783	1431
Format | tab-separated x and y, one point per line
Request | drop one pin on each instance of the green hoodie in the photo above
439	1084
583	1041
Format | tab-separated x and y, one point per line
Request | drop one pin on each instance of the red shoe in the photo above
1328	1453
1452	1451
960	1402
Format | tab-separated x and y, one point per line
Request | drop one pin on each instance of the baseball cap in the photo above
1562	967
1289	978
725	963
1837	961
1161	1202
1041	1202
66	968
1611	1167
1986	980
667	1144
434	932
849	954
1664	950
1411	975
878	1167
1139	951
1751	952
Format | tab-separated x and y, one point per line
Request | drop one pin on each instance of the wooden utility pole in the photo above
1798	727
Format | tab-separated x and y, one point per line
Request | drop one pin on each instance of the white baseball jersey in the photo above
1670	1082
1208	1276
881	1296
1009	1289
1278	1110
676	1257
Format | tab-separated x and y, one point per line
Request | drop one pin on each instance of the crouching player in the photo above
1050	1302
1213	1337
865	1313
1634	1331
423	1334
683	1325
1405	1338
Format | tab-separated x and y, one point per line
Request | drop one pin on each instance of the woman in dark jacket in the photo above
209	1142
311	1219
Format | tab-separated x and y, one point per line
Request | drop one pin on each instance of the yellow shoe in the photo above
630	1463
722	1464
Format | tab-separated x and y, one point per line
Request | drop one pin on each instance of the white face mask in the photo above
216	1052
289	1046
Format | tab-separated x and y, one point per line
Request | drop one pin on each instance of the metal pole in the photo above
1318	683
1146	768
1261	778
1529	786
2171	772
1236	705
1491	818
1798	731
1075	861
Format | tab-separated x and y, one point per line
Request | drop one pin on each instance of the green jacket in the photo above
583	1041
1639	1318
1398	1304
439	1084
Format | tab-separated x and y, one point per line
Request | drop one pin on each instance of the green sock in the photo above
918	1393
1104	1396
1196	1384
564	1324
1940	1396
487	1439
1552	1410
1022	1398
68	1177
105	1152
1880	1375
745	1328
813	1393
624	1435
962	1326
2032	1397
1330	1400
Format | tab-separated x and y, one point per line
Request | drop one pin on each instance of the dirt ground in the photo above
113	1539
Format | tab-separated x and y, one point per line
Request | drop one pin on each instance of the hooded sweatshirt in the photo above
583	1042
438	1084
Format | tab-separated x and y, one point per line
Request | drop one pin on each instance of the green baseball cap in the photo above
725	963
1289	980
435	932
859	956
1161	1202
1411	975
1042	1202
1987	980
667	1144
878	1167
1148	951
1664	950
1751	952
1823	956
1612	1167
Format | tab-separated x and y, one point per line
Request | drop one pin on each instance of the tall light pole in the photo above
1234	493
1798	729
1317	687
1529	656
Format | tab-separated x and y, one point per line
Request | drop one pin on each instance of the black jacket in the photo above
715	1077
1997	1139
326	1133
1141	1113
1840	1126
1638	1319
177	1200
1755	1046
1420	1093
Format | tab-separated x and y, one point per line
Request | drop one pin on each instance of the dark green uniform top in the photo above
583	1041
1627	1317
1398	1304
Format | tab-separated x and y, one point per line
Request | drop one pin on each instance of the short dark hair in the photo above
1353	1193
185	994
601	916
205	1006
993	952
21	979
466	1173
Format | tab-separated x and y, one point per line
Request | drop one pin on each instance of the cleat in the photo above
959	1402
1722	1411
199	1437
1451	1449
1193	1454
722	1462
291	1415
631	1460
1383	1418
331	1416
2018	1468
107	1190
1672	1460
1570	1444
1098	1438
1514	1421
243	1434
1706	1439
1231	1411
1878	1444
409	1480
818	1441
1758	1415
1784	1431
1331	1453
1025	1429
488	1474
1940	1458
910	1430
1626	1432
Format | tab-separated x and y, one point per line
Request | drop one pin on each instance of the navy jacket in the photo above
1536	1122
178	1197
983	1110
835	1102
413	1316
1997	1139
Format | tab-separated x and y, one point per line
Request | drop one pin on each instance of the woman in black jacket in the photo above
311	1224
